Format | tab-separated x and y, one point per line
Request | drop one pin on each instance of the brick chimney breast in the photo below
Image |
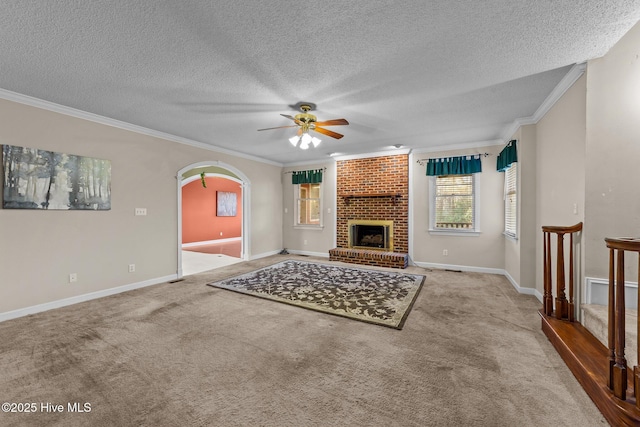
375	188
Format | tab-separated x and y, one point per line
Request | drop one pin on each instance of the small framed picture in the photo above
227	203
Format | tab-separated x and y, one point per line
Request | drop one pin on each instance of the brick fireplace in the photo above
371	190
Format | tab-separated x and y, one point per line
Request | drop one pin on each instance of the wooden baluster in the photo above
612	318
547	300
620	368
549	274
561	298
572	309
636	369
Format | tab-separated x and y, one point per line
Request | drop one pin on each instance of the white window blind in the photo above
511	200
454	202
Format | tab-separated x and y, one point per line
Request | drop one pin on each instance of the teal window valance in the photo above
508	155
462	165
307	177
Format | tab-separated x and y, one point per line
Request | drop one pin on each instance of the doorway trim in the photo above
246	206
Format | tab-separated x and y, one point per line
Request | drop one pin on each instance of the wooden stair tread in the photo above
588	360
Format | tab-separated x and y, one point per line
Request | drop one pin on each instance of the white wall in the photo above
38	249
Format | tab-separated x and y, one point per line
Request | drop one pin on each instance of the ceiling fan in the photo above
305	122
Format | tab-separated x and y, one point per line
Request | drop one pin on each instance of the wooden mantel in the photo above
348	196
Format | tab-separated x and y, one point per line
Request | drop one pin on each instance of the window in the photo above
308	204
453	203
511	200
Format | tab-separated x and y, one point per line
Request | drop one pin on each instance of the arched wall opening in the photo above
231	179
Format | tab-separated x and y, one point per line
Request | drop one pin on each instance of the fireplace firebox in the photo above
371	235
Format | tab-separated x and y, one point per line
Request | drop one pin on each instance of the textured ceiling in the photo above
420	73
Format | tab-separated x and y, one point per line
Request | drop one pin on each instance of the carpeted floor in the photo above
471	354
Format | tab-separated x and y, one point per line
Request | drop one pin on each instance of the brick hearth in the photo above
370	257
375	188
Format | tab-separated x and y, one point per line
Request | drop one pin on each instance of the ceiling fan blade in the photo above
292	118
328	132
280	127
334	122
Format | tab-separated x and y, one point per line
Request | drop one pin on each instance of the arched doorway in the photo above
215	170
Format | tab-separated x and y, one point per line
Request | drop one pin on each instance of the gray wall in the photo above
584	151
484	251
38	249
612	194
560	170
318	241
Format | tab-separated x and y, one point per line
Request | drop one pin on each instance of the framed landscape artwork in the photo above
227	203
47	180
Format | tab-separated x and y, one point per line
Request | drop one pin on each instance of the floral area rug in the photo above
380	297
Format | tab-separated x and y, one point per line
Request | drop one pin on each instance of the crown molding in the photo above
461	146
567	81
69	111
373	154
308	163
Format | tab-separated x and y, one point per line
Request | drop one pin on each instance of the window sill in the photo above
454	232
308	227
510	237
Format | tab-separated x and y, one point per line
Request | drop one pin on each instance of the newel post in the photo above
564	309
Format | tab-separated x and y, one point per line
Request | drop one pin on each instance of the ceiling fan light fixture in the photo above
305	122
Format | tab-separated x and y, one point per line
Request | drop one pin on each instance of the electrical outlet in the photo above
305	242
73	277
132	268
445	252
141	211
221	233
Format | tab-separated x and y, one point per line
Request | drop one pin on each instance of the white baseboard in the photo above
597	292
112	291
538	295
291	251
520	289
211	242
264	254
8	315
308	253
471	269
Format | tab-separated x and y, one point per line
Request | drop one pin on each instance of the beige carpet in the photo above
471	354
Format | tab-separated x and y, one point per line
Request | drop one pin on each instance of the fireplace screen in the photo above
371	234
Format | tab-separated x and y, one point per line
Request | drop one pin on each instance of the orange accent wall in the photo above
199	220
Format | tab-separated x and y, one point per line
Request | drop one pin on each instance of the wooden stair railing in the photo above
564	309
617	381
600	369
